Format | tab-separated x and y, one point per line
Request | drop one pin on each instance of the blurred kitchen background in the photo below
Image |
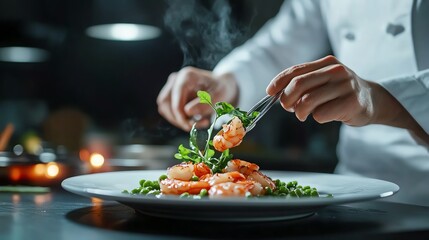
79	81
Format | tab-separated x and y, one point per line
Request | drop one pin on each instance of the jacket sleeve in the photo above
413	93
296	35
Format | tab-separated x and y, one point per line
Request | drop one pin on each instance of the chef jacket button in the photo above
350	36
394	29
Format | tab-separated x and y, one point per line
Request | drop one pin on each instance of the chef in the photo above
376	83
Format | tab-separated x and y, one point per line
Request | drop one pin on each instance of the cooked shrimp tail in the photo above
230	136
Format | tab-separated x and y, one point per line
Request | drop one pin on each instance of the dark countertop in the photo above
61	215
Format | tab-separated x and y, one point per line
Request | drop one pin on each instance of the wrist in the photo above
389	111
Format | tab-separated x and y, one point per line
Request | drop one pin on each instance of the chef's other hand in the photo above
330	91
178	101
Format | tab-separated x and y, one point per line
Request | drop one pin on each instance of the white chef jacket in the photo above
375	40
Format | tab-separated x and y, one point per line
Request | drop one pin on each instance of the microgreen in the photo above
208	155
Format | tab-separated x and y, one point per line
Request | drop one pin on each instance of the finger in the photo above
301	84
335	110
283	78
164	94
317	97
183	88
164	100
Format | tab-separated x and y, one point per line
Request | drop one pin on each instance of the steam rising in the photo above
205	30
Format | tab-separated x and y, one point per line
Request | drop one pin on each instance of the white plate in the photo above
345	189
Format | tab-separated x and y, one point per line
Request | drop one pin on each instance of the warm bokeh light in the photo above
96	201
33	144
84	155
41	199
52	170
15	174
16	199
39	169
96	160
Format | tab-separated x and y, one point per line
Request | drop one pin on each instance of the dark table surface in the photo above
61	215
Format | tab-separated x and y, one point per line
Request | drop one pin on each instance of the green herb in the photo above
208	155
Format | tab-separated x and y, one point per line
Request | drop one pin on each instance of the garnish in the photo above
208	154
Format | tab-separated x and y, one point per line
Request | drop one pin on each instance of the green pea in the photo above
268	191
299	186
142	182
184	195
194	178
203	192
147	184
283	189
125	191
277	182
294	183
306	187
298	192
283	194
144	191
293	194
155	185
162	177
307	192
314	193
290	184
153	192
135	190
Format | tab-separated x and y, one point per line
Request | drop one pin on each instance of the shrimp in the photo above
225	177
230	135
186	170
251	171
261	178
174	186
241	166
237	189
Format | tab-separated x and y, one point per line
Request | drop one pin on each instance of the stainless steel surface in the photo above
60	215
262	107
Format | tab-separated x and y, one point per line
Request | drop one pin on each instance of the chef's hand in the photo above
178	101
330	91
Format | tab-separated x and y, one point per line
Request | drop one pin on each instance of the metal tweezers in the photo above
262	107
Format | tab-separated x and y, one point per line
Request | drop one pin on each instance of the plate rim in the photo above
256	202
